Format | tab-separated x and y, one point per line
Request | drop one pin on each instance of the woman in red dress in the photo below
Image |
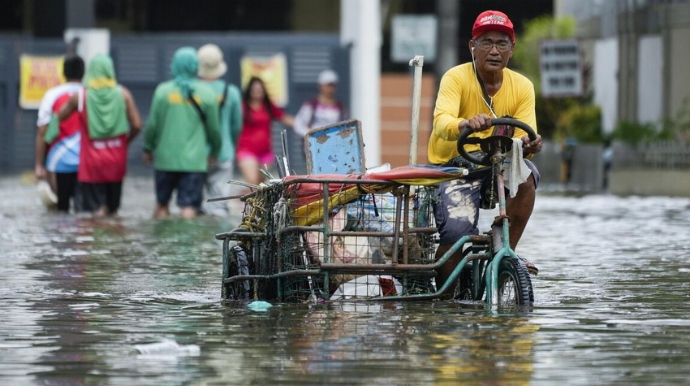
254	145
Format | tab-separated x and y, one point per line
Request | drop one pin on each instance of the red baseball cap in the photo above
493	21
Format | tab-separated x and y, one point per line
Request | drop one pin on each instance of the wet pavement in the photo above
82	299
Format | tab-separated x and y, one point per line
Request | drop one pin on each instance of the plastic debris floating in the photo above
259	305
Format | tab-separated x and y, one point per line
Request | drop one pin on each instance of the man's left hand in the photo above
531	147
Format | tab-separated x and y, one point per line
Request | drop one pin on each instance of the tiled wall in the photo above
396	112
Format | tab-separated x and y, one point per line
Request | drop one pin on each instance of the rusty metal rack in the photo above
326	238
371	236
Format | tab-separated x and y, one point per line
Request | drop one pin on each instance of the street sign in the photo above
413	35
561	68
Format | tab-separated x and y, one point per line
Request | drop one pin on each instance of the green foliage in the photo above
582	122
577	115
676	128
527	45
548	114
636	133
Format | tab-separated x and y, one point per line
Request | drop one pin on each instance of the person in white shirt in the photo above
58	143
323	110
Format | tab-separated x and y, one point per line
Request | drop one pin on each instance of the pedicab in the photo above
342	232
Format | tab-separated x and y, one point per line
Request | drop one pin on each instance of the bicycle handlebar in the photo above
466	140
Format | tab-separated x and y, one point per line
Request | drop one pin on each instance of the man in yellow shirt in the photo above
469	96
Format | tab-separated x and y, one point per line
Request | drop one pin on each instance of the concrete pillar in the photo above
448	14
360	28
628	36
675	29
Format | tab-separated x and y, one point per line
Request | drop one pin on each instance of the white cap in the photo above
328	77
211	64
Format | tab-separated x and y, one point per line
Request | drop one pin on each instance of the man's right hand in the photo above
477	123
40	172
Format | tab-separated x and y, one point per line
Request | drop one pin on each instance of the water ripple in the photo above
612	300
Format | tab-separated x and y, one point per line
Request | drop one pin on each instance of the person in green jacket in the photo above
182	125
212	67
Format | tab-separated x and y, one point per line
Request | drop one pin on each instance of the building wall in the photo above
651	68
628	35
396	112
676	32
315	15
650	182
649	78
606	81
587	174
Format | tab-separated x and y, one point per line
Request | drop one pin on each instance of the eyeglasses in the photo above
501	45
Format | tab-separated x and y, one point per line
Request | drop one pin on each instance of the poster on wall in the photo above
272	70
37	74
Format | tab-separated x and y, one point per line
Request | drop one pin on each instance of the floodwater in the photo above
83	299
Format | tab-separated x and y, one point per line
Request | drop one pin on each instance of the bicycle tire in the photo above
237	265
514	284
464	286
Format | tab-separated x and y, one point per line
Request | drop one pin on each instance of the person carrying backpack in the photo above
212	68
183	125
57	143
323	110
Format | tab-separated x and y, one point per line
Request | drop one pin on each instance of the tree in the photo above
553	113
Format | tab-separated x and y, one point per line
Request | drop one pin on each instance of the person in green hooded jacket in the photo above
110	121
182	125
212	68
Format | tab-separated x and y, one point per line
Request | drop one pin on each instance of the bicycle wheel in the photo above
463	288
514	284
238	264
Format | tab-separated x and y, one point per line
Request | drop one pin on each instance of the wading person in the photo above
59	166
322	110
469	96
258	113
182	125
211	69
110	120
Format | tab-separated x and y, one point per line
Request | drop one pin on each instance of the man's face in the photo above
492	50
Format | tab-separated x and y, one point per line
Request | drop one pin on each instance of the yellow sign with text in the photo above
37	75
272	70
